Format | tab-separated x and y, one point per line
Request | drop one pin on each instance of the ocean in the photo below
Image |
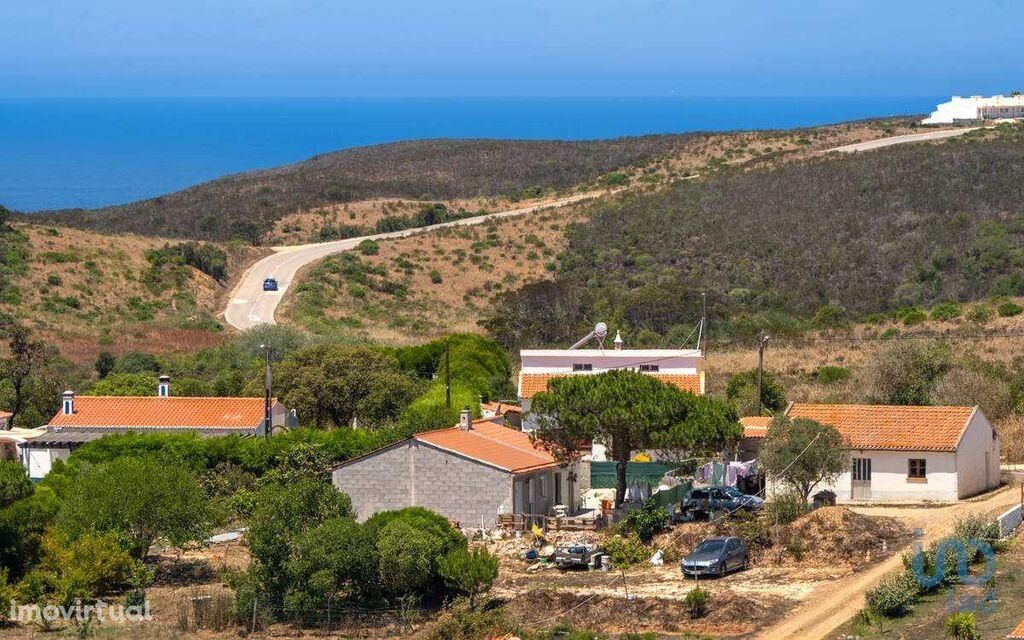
63	153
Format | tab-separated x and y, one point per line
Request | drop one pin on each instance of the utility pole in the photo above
762	340
267	426
703	320
447	376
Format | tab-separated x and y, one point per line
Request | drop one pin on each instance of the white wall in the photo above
978	472
889	481
40	461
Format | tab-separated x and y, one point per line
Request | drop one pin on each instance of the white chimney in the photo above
68	403
163	387
618	341
466	419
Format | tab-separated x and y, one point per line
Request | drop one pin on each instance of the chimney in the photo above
68	403
618	341
465	419
163	387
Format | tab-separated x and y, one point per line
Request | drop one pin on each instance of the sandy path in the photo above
832	604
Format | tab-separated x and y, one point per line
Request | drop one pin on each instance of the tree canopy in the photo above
742	391
803	453
627	411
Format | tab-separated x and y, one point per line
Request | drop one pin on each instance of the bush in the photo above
742	390
1008	308
894	596
830	317
831	374
648	521
14	483
962	626
785	508
369	247
696	601
911	316
946	311
979	314
435	276
626	551
410	544
615	179
469	572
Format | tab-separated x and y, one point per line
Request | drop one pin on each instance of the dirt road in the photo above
871	145
249	305
832	604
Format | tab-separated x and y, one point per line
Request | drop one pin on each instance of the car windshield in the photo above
710	546
733	491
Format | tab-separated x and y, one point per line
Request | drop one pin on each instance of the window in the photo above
917	469
582	366
649	368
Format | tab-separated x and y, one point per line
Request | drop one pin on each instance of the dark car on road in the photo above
720	499
716	556
269	284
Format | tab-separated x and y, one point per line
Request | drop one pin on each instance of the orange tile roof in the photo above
1018	634
500	408
531	384
156	412
890	427
493	444
755	426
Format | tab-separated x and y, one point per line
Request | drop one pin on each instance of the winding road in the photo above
249	305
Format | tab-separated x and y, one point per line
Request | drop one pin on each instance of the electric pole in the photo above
447	376
762	340
267	426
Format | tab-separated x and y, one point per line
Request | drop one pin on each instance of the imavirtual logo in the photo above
963	553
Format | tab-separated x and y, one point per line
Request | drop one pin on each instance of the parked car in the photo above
578	556
716	556
270	284
714	499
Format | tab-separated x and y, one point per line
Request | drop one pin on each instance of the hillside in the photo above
813	243
248	205
84	292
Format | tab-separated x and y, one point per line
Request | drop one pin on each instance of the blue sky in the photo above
521	48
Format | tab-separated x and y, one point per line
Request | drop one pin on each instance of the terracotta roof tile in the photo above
531	384
755	426
890	427
1018	634
493	444
156	412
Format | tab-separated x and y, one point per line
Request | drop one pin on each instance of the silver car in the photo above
716	556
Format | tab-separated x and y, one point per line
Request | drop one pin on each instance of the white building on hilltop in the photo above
977	108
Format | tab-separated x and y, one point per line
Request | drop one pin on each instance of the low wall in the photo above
1009	521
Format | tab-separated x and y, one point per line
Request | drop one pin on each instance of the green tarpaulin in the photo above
602	474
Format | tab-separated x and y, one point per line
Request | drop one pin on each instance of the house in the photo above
82	419
470	473
13	439
755	429
682	368
909	453
977	109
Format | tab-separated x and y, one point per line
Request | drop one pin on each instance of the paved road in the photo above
835	603
870	145
249	305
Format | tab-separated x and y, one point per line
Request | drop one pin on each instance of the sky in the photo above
392	48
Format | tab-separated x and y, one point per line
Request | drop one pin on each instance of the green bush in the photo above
910	316
894	596
369	247
626	551
1008	308
696	602
962	626
785	508
435	276
830	317
979	314
469	572
946	311
14	483
647	521
829	374
615	179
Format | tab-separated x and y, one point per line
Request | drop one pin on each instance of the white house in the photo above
976	109
909	453
471	473
82	419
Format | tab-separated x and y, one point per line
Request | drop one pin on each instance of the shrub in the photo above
648	521
435	276
829	374
830	317
615	179
979	314
626	551
14	482
1008	308
911	316
946	311
369	247
742	390
962	626
785	508
894	596
469	572
696	601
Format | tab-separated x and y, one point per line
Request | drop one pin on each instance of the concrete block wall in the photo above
378	482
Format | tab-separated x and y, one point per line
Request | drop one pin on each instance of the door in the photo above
861	479
733	556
